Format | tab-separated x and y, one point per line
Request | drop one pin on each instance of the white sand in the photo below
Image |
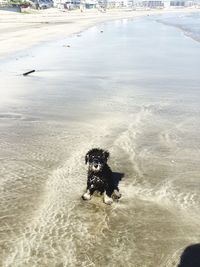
20	31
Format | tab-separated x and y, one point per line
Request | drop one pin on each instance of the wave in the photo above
188	24
155	171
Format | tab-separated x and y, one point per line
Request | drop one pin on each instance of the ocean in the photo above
129	86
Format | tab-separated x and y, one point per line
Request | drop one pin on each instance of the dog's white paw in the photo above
116	194
107	200
86	196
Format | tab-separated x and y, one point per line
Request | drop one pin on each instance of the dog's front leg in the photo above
107	198
88	194
116	194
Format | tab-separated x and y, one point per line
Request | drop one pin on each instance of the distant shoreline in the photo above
21	31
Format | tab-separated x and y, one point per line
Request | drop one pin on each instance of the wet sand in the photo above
142	104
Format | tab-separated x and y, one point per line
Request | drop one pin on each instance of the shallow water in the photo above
188	23
134	90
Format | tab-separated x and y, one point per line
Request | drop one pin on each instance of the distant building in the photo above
89	4
190	3
75	4
153	4
178	3
3	2
163	3
111	3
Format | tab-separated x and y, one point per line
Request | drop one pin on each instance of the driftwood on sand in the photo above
28	72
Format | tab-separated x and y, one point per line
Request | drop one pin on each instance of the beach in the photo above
25	30
129	85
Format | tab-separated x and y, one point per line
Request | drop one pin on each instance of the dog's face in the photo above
96	158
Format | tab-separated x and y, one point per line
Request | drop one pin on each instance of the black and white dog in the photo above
100	176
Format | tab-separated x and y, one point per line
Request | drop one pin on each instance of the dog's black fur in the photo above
100	176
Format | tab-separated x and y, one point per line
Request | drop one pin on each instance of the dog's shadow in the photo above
190	256
117	177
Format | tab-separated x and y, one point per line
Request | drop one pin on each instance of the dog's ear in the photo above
106	155
87	158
